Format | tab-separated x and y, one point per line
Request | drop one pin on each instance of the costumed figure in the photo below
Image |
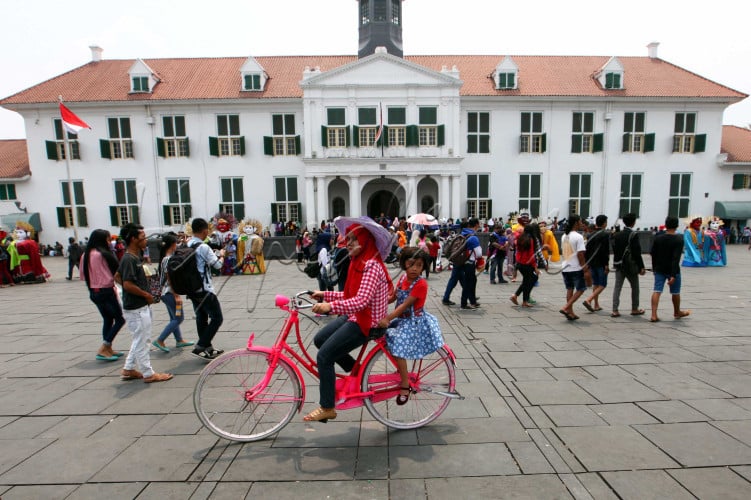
219	237
550	245
693	244
714	244
230	256
250	247
25	263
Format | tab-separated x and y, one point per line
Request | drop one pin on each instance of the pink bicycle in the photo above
252	393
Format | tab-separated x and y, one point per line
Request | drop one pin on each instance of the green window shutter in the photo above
160	149
608	80
626	142
649	142
51	150
676	145
167	215
298	146
576	143
521	143
81	217
239	211
187	147
413	136
347	137
490	207
700	143
356	136
104	149
213	146
324	136
598	141
188	211
135	214
544	142
274	213
242	145
61	222
384	136
510	80
113	216
78	193
738	181
441	135
120	198
268	146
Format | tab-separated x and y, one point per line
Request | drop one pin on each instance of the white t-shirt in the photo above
571	244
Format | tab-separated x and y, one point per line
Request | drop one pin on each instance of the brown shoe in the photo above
157	377
320	415
130	375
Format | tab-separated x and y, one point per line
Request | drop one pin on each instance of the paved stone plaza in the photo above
597	408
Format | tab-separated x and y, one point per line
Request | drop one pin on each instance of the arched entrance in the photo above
383	202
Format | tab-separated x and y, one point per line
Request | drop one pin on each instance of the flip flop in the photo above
654	320
682	314
118	354
638	313
598	308
514	300
616	314
588	306
160	347
101	357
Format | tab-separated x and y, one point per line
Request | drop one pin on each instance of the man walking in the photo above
574	265
74	256
631	268
598	255
469	278
497	253
457	274
205	303
667	250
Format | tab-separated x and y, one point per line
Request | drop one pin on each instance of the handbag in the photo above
312	269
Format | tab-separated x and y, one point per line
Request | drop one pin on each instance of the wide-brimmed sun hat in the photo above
383	238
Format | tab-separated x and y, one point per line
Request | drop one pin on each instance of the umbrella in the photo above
423	219
383	238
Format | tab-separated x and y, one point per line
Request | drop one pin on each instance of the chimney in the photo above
652	47
96	53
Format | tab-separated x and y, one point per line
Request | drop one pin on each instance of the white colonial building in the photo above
308	138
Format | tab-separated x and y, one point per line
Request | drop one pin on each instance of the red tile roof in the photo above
736	143
14	159
219	78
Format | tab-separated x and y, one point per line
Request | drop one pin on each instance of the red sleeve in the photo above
420	291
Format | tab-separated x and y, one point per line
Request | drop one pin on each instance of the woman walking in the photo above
526	264
172	301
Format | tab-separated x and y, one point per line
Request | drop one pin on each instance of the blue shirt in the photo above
205	257
473	244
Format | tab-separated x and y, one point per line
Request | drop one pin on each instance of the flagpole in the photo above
383	139
67	170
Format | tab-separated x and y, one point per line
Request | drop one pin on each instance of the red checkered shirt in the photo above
373	293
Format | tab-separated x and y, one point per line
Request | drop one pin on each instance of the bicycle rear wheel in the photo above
231	401
431	378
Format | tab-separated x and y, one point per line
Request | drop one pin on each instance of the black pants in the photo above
529	278
208	318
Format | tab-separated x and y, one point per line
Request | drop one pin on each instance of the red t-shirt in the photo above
420	291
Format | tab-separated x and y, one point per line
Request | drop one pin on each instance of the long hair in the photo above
573	220
168	239
99	240
526	238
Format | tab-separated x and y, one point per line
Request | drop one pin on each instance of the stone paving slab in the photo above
716	483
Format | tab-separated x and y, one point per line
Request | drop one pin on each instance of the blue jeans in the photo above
174	320
496	266
112	314
469	284
206	307
334	342
457	273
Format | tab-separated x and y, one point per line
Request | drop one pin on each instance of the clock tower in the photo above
380	25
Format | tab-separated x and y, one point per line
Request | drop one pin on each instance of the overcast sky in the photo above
44	38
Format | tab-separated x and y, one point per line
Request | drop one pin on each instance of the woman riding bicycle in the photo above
361	305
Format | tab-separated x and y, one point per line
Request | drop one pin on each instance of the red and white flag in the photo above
71	122
379	132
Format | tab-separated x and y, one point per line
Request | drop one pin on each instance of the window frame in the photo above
255	80
630	193
479	201
125	210
531	140
580	194
741	180
679	194
506	80
178	209
139	84
286	205
231	142
478	140
175	144
65	210
284	141
684	140
582	132
8	191
527	198
120	144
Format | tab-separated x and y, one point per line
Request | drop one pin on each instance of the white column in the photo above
310	203
444	197
411	194
322	212
354	196
455	196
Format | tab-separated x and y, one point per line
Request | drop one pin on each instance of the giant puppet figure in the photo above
714	244
25	264
693	244
250	247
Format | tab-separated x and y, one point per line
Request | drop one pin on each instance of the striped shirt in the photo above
373	293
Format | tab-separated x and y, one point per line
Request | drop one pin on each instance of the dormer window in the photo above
252	81
253	76
610	75
140	84
506	75
142	78
506	80
613	80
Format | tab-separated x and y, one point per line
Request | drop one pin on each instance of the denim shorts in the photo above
661	279
574	280
599	276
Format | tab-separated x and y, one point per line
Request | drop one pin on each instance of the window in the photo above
233	200
286	208
630	201
7	192
532	139
365	11
396	7
580	194
506	81
125	209
252	81
634	138
119	145
178	210
740	181
479	203
336	134
56	148
478	132
140	83
397	131
613	80
583	140
380	11
686	140
366	128
228	142
283	142
680	188
428	130
529	193
65	212
174	144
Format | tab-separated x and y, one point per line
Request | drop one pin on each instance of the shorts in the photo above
574	280
661	279
599	276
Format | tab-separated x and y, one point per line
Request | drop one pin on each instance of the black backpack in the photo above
183	273
455	249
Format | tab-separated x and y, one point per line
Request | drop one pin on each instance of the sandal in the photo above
681	314
588	306
514	299
130	375
615	314
638	312
320	415
402	399
157	377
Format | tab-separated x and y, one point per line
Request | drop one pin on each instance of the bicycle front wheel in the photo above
232	400
431	377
